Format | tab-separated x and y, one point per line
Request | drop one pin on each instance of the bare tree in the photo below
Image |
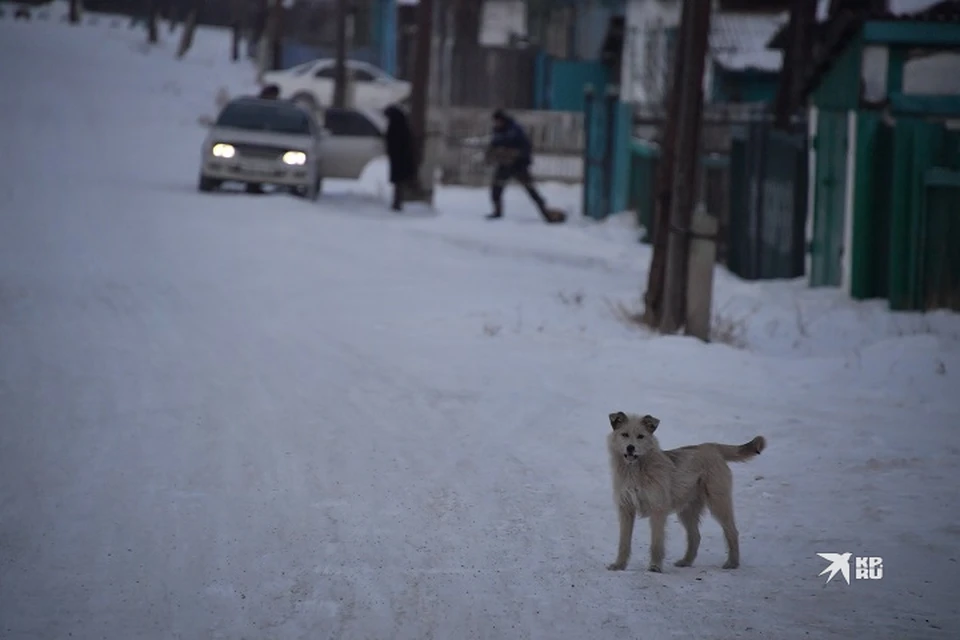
237	22
340	70
153	8
189	28
275	34
75	8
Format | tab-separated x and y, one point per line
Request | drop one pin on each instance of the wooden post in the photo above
340	69
703	256
653	299
419	90
685	170
796	61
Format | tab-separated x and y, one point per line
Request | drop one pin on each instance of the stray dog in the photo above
650	482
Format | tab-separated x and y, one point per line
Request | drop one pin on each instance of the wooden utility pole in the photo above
686	164
663	195
421	77
340	69
796	61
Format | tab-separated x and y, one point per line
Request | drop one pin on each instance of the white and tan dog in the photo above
650	482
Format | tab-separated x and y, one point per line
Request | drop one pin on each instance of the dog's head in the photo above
632	435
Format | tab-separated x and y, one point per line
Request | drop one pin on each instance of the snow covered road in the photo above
225	416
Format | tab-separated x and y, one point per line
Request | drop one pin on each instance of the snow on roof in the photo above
739	40
896	7
900	7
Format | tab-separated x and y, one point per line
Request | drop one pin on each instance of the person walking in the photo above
400	152
510	150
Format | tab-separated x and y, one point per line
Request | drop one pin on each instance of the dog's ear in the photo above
650	422
618	419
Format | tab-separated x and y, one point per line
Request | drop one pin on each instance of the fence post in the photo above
700	266
588	107
760	171
613	95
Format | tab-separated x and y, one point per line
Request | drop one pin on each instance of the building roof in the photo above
738	41
834	35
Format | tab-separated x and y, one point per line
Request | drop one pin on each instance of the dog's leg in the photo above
627	516
690	519
658	534
721	506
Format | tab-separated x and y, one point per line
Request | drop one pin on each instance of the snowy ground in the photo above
225	416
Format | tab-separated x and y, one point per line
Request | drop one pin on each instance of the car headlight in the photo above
295	157
221	150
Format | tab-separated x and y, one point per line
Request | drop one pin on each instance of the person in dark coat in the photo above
399	143
510	150
270	92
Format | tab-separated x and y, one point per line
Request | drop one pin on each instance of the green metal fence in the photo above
924	239
940	241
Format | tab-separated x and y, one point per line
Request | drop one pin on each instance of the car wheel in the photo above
207	184
253	187
305	100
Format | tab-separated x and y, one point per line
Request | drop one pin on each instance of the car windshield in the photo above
264	116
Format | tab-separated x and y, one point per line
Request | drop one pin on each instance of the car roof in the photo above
267	102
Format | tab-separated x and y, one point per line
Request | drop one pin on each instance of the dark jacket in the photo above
513	137
399	143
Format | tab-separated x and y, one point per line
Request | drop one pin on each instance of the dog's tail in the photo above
742	452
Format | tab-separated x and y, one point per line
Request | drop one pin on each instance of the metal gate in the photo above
940	241
599	122
768	203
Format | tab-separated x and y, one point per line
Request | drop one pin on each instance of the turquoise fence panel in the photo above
606	157
564	82
385	36
622	135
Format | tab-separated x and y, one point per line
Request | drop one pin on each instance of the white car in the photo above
255	142
311	84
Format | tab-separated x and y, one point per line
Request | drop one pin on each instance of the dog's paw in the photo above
730	564
683	562
655	568
617	566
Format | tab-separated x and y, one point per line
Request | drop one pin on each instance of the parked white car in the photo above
276	142
311	84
